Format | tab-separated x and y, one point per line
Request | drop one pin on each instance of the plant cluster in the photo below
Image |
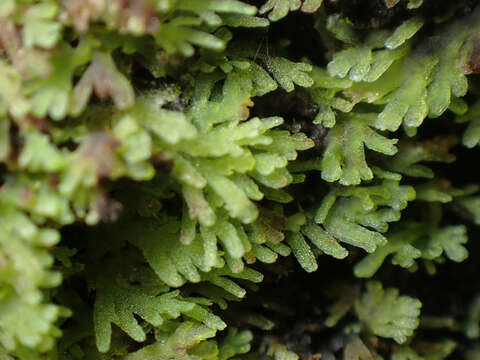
159	159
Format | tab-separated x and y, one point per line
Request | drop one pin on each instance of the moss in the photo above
216	179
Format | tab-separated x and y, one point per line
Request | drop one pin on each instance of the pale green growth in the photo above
280	352
324	93
137	113
425	240
344	158
242	20
349	219
408	103
386	313
177	259
188	342
342	29
51	95
362	63
383	312
219	278
302	252
412	87
416	241
288	73
217	156
121	295
209	10
173	262
11	97
179	35
186	338
40	29
353	215
278	9
24	252
264	72
170	126
325	242
404	32
236	342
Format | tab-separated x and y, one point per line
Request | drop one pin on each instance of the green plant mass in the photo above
239	179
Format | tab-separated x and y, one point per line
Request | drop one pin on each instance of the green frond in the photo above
415	243
159	158
26	274
344	158
185	339
120	296
386	313
356	216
